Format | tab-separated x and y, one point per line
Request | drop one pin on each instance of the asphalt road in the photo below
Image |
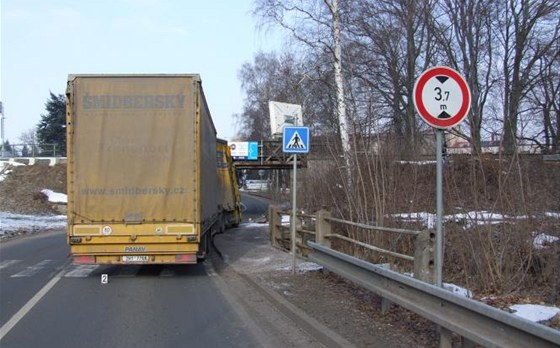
47	302
141	306
255	207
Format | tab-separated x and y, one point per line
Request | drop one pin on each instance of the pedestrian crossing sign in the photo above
295	140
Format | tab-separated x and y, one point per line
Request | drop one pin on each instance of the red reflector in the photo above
84	259
186	258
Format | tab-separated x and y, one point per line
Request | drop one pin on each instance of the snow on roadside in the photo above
303	267
55	197
419	163
458	290
542	240
534	313
428	219
16	222
5	168
470	219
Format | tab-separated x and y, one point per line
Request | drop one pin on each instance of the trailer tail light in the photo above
185	258
84	260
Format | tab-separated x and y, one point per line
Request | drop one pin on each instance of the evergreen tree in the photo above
52	127
25	151
7	149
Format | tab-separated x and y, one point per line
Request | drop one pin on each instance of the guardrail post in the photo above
424	268
323	228
274	222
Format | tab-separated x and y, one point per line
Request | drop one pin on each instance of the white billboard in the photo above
239	149
284	115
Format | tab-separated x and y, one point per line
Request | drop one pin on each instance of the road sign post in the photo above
295	140
442	98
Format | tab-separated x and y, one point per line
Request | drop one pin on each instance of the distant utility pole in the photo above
2	128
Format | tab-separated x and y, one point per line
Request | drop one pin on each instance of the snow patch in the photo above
15	222
419	163
5	168
303	267
55	197
427	219
542	240
457	290
469	219
534	313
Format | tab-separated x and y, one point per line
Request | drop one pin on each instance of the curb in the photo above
320	332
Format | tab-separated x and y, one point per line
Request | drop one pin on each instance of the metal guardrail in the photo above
472	320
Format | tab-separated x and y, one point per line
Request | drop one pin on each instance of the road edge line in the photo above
9	325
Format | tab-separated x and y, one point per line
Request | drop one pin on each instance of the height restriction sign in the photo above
442	97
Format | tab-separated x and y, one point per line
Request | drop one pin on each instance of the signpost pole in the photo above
295	140
439	208
442	98
294	186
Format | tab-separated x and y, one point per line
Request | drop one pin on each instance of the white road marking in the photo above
31	270
81	271
8	263
5	329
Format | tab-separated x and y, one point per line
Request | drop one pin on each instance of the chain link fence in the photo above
30	150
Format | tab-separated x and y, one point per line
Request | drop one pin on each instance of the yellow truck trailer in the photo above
143	180
229	190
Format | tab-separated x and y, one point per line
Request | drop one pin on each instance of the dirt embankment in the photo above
20	191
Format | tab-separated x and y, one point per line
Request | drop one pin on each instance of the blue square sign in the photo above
295	140
253	154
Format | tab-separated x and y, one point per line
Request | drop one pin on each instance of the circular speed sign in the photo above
442	97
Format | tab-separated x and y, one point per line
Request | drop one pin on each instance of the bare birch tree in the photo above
317	24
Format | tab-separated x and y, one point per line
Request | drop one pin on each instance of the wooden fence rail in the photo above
319	228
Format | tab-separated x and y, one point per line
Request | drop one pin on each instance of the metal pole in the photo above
2	128
439	208
294	185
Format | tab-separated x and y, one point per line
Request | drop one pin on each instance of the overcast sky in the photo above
44	41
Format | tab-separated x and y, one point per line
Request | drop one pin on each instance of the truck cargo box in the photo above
142	174
229	190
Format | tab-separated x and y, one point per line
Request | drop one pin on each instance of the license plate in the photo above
135	258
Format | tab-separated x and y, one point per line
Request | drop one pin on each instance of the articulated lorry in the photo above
146	179
229	189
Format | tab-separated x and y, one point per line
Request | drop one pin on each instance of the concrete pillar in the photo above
323	228
273	223
424	267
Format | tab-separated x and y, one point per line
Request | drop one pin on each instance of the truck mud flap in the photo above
214	247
